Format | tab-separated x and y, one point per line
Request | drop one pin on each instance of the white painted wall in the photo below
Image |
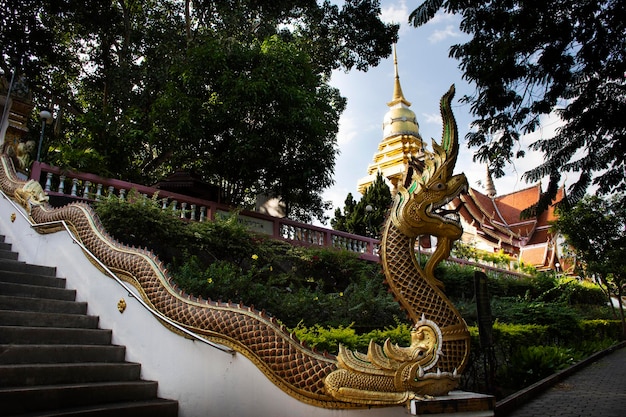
205	381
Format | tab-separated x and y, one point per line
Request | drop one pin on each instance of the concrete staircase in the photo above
54	360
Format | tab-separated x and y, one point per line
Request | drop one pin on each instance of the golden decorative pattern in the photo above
387	374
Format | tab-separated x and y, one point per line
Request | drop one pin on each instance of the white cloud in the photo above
351	127
442	17
395	13
431	118
441	35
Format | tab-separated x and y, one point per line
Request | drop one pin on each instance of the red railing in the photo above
71	185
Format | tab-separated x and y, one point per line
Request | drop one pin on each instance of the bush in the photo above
530	364
139	221
572	292
561	320
328	338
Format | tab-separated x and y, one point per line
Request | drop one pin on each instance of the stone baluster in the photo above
122	194
202	213
98	192
111	191
174	205
74	187
86	189
164	206
48	181
61	189
192	214
183	209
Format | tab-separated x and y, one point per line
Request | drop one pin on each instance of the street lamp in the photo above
45	116
368	210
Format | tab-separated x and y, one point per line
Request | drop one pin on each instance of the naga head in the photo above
428	185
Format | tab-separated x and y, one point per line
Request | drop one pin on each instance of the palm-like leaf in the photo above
424	12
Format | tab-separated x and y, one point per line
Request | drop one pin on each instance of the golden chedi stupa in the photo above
401	139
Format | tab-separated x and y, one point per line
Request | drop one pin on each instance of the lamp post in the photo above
45	116
368	213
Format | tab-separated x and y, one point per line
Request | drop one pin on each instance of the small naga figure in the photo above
31	193
439	349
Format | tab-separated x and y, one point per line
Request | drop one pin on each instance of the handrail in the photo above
89	187
154	312
284	229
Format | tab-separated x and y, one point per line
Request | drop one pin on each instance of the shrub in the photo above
139	221
328	338
561	320
530	364
572	292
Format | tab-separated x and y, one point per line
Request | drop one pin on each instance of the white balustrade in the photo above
61	188
48	181
86	189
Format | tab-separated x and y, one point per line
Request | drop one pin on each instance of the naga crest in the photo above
428	185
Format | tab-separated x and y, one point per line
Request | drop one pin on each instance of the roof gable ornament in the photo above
490	188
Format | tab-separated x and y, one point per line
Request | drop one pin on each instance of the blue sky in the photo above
426	72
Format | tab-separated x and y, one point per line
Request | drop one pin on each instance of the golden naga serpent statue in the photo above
386	375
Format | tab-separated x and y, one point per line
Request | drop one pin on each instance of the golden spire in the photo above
398	97
490	189
401	139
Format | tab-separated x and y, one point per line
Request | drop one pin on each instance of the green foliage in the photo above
598	330
530	364
467	251
528	60
524	353
237	91
139	221
570	291
596	229
328	339
561	320
357	219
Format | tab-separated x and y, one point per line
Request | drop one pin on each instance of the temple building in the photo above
494	222
490	222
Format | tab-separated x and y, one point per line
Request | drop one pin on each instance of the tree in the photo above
529	59
357	218
236	90
596	229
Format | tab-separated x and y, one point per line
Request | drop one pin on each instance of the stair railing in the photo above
124	285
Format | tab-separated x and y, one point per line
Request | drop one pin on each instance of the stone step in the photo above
41	305
150	408
60	353
53	336
22	375
29	399
36	319
7	254
36	291
55	361
31	279
17	266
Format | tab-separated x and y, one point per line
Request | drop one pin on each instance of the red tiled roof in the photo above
535	255
511	205
499	220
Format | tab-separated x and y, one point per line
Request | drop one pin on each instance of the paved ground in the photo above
599	389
